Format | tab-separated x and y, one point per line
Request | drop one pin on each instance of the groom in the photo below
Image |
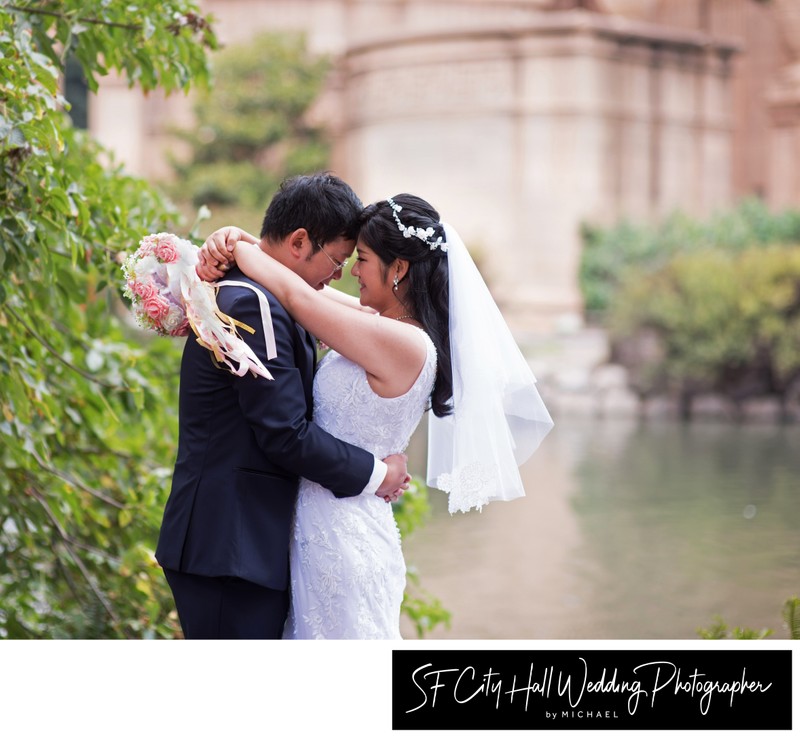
245	441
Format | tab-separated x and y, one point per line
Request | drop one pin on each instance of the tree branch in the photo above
74	556
100	553
64	16
75	482
190	20
47	345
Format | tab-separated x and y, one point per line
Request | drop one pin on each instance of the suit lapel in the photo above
306	345
312	343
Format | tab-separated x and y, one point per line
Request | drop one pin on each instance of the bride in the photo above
424	334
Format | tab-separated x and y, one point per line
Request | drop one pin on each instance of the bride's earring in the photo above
396	283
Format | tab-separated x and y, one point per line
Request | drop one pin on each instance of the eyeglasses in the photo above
338	266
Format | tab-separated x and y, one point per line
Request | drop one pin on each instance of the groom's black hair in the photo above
322	203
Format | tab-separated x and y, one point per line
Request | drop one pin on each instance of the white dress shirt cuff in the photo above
378	475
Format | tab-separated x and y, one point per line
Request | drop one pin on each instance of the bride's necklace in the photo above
405	317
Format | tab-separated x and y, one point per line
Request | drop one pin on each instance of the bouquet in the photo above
169	298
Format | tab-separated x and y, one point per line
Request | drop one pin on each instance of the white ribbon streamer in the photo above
266	315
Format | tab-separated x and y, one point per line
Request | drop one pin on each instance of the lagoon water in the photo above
628	531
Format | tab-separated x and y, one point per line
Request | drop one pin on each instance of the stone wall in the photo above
519	134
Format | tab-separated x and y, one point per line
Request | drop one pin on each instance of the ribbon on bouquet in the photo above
266	316
216	331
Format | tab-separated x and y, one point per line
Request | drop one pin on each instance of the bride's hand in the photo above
216	255
398	493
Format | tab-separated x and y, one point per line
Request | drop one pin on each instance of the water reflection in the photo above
628	531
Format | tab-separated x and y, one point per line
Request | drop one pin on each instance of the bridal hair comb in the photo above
423	234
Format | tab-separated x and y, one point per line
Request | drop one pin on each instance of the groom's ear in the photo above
299	244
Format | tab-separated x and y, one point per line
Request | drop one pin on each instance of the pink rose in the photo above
166	252
155	306
144	291
146	246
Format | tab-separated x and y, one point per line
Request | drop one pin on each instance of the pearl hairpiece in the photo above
423	234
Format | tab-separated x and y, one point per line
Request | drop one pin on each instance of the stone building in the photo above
521	119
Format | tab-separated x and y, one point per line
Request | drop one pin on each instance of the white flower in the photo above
174	318
94	360
144	267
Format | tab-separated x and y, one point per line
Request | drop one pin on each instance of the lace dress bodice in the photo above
347	567
346	406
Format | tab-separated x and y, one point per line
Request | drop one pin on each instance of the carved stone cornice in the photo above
560	23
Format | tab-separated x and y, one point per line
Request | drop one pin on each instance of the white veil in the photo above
498	417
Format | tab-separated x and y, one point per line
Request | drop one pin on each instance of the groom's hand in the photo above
397	478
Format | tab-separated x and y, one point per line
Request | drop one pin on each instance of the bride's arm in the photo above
343	298
390	351
219	249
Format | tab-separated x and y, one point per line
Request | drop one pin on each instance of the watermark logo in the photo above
680	690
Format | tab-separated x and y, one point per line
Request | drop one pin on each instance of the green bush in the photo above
609	254
241	183
88	415
253	127
423	609
721	321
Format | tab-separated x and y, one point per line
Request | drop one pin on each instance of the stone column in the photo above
784	107
518	134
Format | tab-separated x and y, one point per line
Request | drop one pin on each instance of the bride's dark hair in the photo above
427	296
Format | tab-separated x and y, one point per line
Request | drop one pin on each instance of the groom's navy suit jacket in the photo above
243	444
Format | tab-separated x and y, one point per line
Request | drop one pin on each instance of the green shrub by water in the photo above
609	254
727	322
701	305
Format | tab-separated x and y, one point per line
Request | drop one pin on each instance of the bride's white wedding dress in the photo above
347	568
